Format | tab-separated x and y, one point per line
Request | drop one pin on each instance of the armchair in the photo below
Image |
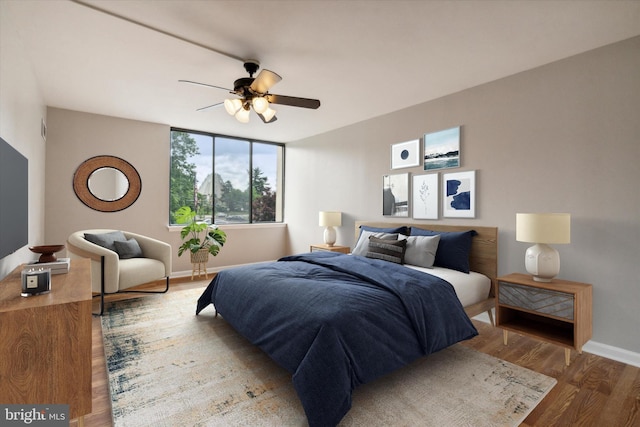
112	271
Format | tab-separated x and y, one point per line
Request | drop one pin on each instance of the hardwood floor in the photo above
592	391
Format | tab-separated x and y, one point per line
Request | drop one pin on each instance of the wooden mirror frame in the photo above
81	183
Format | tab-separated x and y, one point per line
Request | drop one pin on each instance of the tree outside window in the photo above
224	179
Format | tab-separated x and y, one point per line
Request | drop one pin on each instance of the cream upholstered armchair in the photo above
121	260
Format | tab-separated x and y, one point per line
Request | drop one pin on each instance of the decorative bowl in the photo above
47	252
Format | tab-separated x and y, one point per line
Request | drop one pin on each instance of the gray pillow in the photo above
106	240
387	250
128	249
421	250
362	247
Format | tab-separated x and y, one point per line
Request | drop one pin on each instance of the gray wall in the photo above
75	137
21	111
560	138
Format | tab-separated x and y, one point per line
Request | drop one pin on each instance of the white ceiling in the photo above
362	59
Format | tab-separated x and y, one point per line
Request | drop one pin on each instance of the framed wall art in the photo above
459	194
425	196
395	195
442	149
405	154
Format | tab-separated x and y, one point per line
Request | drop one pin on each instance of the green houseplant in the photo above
198	236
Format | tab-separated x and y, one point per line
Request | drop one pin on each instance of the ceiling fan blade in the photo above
293	101
204	84
273	119
264	81
210	106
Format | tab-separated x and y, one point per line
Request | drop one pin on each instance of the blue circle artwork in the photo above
404	155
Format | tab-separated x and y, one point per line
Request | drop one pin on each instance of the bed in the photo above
336	321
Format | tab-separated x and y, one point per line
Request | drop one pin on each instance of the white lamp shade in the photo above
330	219
260	104
243	115
268	114
543	227
232	105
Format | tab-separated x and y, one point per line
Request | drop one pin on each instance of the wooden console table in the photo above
45	342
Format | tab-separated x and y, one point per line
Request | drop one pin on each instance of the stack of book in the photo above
59	266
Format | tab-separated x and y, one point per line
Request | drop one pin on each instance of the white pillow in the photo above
362	247
421	250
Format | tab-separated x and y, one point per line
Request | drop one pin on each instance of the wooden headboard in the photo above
484	246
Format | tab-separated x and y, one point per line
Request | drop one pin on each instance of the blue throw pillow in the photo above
400	230
453	249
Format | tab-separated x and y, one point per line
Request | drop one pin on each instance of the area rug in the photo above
168	367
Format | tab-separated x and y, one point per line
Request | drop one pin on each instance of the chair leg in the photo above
102	293
101	312
166	288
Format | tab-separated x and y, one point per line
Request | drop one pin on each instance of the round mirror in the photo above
107	183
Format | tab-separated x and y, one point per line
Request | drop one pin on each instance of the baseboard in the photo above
611	352
599	349
187	273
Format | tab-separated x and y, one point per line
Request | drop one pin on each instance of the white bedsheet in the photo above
470	288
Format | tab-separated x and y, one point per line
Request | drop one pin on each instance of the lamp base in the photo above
542	261
329	236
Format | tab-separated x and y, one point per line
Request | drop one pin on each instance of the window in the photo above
224	179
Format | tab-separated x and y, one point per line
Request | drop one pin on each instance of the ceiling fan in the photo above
254	92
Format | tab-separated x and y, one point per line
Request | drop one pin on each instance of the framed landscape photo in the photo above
395	195
405	154
442	149
425	196
459	194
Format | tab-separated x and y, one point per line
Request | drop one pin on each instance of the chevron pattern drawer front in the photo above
558	304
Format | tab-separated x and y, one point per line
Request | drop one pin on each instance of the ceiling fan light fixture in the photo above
268	114
232	105
243	115
260	104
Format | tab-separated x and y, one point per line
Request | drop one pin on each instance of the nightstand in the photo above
334	248
559	312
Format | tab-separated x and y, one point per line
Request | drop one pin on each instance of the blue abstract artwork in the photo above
459	195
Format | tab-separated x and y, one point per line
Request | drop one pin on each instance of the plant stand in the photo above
199	261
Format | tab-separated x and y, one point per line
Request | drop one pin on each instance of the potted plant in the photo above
199	238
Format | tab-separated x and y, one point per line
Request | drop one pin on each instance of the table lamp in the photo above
541	260
329	220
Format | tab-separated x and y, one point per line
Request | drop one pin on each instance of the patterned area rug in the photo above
168	367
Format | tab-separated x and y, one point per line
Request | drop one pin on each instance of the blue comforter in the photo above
337	321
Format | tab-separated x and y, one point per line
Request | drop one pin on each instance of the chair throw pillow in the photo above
129	249
387	250
106	240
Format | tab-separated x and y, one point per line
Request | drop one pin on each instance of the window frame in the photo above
279	191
